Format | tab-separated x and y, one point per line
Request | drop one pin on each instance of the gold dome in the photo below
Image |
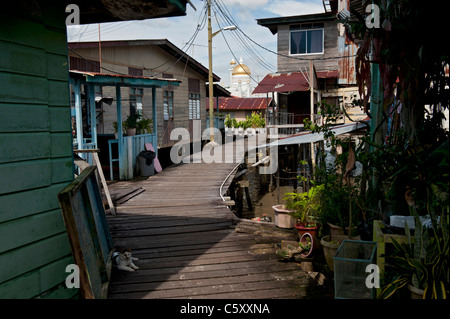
241	69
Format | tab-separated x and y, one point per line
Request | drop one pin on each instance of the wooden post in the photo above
78	113
120	133
155	119
92	112
239	200
249	199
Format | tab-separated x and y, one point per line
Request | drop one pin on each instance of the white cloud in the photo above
292	8
249	4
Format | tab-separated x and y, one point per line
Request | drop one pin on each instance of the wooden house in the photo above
305	41
36	152
179	105
239	108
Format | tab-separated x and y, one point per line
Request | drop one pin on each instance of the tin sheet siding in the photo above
288	64
35	154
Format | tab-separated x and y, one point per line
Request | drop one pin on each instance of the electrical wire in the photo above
200	26
229	16
248	47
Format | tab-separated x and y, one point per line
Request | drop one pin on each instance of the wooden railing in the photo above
132	146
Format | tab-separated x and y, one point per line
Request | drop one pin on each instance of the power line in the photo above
229	16
258	58
200	26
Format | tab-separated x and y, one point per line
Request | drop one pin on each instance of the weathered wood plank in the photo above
270	279
23	231
181	232
25	175
159	275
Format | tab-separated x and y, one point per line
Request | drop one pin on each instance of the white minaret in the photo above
232	65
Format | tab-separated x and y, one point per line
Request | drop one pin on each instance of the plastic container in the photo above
350	262
146	163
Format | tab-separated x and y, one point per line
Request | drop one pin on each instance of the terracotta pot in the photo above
131	132
315	244
329	250
283	219
416	293
302	229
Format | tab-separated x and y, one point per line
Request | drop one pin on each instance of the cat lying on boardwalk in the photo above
124	260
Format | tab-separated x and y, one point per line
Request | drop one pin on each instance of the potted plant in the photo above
131	124
330	248
283	218
309	244
306	209
116	128
423	265
144	126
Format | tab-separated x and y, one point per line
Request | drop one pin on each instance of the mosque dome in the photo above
241	69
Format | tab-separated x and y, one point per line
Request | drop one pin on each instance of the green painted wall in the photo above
35	151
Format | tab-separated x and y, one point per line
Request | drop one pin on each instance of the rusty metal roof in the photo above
289	82
237	104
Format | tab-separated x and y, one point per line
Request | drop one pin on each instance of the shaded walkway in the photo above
185	239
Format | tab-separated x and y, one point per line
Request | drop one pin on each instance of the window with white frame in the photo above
194	106
306	38
136	98
168	105
194	99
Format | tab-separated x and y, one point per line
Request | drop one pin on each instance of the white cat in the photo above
124	260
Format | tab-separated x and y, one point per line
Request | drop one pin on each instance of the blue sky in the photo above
180	30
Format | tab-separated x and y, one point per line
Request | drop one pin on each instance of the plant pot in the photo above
337	232
301	229
315	244
283	219
131	131
329	250
416	293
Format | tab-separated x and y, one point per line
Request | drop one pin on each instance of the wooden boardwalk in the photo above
188	248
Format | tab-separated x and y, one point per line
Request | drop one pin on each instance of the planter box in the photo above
350	264
283	219
384	240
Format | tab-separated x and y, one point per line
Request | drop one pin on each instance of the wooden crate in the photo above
383	240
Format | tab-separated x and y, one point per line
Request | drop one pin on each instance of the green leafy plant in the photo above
305	245
424	263
228	121
145	126
306	206
115	127
132	121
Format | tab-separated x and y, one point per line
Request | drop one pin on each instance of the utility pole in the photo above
99	48
210	75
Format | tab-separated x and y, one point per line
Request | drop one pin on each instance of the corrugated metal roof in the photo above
164	44
309	137
121	76
289	82
235	103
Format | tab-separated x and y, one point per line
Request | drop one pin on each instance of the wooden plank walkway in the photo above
186	244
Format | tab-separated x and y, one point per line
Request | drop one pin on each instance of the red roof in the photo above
237	103
289	82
